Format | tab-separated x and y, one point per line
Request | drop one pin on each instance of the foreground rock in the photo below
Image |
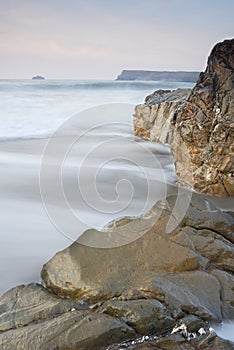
178	271
201	127
190	334
32	318
175	268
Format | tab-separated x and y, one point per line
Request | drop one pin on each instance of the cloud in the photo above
88	37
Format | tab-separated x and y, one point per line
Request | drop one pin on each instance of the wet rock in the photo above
227	292
178	342
189	333
32	318
145	316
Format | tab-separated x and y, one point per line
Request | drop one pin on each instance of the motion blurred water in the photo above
106	173
35	108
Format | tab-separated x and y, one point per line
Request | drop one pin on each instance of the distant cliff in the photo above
157	75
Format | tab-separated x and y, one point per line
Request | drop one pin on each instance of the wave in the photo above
87	85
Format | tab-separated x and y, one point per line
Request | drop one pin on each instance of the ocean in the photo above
31	111
101	170
35	108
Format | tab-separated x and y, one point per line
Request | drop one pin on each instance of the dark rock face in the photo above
204	144
200	128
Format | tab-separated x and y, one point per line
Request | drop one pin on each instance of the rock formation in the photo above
170	267
32	318
201	132
155	120
95	297
162	289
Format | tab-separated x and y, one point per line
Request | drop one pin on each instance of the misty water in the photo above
69	161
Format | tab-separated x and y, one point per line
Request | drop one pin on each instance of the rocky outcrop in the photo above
33	318
155	119
201	132
204	144
183	339
165	279
182	76
176	276
171	268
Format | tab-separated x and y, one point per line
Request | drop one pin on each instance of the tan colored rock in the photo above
168	267
144	315
200	128
73	330
145	286
32	304
115	270
32	318
155	119
217	250
203	145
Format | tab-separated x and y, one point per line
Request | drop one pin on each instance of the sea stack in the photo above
38	77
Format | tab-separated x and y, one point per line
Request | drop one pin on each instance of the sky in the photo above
97	39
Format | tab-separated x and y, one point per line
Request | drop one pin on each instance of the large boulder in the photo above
171	267
178	270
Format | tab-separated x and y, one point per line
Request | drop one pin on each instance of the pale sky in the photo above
96	39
